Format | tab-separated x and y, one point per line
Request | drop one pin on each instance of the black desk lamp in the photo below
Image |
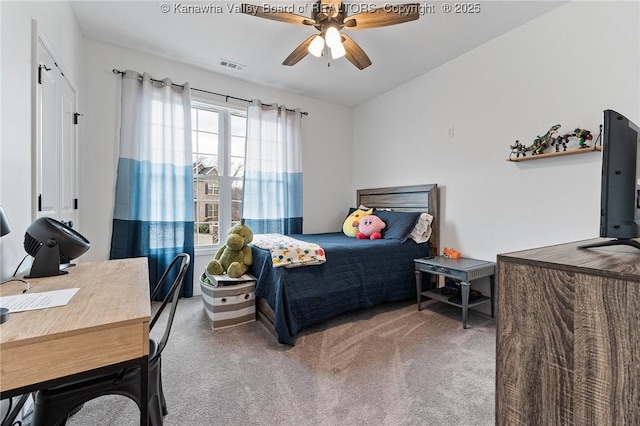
5	228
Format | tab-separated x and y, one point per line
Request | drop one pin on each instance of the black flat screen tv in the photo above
620	190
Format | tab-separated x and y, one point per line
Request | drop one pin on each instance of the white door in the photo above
56	146
68	155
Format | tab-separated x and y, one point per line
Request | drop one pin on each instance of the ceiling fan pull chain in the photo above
326	53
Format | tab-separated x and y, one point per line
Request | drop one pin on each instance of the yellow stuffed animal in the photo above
350	225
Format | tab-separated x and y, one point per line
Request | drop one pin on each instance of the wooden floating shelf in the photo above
557	154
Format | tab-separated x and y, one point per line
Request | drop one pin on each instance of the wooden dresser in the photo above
568	336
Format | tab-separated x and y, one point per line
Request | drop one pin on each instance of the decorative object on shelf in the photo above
584	135
561	140
541	143
518	148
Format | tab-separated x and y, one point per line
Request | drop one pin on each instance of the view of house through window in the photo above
218	137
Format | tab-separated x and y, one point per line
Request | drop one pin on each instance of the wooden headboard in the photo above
411	198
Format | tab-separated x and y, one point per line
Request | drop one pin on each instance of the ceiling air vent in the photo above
232	65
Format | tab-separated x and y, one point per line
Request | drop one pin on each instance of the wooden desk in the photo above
105	323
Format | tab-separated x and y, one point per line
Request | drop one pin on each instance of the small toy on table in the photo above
451	253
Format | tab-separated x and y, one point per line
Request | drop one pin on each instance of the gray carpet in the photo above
389	365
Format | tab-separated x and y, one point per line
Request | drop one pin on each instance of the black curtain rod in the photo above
227	97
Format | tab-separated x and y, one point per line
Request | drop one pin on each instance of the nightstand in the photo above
462	270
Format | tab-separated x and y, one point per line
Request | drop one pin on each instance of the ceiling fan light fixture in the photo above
331	16
316	46
338	51
332	37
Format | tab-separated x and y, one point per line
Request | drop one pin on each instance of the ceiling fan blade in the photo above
383	16
328	5
299	52
355	54
289	18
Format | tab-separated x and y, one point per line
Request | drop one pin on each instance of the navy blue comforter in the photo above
357	274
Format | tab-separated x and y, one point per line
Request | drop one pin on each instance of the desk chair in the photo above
53	406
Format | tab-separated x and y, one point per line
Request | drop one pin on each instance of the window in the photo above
210	189
218	136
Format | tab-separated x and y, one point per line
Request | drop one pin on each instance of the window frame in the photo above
225	181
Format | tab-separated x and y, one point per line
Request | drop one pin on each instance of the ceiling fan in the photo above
330	17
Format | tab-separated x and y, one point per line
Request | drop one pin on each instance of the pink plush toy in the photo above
370	227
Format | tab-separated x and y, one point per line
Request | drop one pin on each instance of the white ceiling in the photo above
399	53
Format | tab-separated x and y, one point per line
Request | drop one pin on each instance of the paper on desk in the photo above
32	301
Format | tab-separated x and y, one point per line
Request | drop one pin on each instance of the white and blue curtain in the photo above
153	214
273	170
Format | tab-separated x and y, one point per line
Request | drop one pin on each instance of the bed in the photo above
357	273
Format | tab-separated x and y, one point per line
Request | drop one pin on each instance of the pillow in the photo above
399	224
422	231
350	224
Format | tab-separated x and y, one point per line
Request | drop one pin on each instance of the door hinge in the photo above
40	67
75	117
75	204
39	202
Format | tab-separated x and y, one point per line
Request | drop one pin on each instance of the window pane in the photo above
194	140
206	190
207	143
206	233
236	200
238	126
196	184
208	164
199	216
197	166
215	233
237	167
237	146
207	121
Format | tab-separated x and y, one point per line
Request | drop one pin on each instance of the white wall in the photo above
565	67
326	136
57	23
